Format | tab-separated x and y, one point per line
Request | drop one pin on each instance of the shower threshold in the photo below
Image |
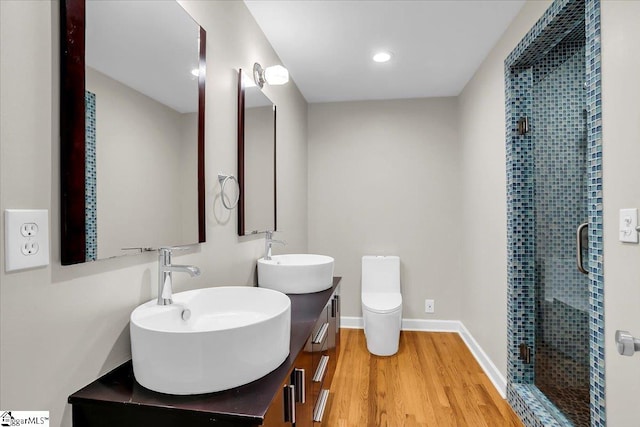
536	408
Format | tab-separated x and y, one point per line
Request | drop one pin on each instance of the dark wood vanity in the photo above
293	394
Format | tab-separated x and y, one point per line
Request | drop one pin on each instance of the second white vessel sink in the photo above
296	273
210	339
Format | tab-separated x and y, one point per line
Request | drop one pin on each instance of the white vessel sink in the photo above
234	335
296	273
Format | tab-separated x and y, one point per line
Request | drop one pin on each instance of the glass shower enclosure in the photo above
554	219
559	137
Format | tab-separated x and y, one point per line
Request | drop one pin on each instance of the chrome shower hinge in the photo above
525	353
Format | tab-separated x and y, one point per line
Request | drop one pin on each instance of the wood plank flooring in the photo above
433	380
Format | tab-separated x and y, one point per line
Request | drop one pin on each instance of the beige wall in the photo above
384	180
62	327
140	148
259	169
621	183
383	177
484	282
483	288
188	178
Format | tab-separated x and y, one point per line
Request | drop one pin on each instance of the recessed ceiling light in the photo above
195	72
382	57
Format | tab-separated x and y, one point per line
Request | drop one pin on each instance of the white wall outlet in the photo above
628	224
429	306
26	238
29	229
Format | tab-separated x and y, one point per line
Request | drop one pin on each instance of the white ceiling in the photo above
327	45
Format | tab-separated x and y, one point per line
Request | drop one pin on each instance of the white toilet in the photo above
381	303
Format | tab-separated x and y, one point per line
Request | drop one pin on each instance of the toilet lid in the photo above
382	302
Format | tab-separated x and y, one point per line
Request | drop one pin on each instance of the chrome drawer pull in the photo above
298	375
321	369
321	404
322	333
289	404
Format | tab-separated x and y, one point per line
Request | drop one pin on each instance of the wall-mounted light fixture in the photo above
274	75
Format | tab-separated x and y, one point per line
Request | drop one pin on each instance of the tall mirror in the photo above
256	158
132	128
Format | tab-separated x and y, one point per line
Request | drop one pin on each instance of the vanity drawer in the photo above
318	340
333	340
322	320
317	349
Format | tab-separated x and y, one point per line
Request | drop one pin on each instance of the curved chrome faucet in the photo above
268	242
165	268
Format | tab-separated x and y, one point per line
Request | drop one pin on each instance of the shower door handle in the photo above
580	243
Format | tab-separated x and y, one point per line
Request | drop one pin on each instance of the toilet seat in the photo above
382	302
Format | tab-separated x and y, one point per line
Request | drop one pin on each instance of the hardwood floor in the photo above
433	380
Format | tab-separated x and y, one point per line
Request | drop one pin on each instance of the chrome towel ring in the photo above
223	179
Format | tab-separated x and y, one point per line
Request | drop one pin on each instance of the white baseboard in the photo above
430	325
426	325
496	377
351	322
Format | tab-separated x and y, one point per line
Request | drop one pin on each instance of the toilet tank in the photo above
380	274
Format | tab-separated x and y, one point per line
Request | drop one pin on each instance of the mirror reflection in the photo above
256	157
142	127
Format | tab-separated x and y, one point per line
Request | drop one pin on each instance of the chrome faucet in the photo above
164	275
268	242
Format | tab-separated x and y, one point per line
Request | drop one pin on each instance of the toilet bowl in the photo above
381	303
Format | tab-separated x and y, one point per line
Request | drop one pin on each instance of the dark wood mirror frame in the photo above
72	132
241	149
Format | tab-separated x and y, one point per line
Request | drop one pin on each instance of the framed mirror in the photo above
256	158
132	128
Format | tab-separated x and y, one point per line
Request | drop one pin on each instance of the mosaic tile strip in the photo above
560	21
562	17
520	238
91	229
533	407
596	275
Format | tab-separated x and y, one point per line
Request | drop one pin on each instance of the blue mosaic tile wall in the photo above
561	293
594	168
91	228
563	22
520	220
559	132
533	407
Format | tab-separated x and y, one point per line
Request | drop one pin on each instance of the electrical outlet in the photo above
30	247
26	234
29	229
429	306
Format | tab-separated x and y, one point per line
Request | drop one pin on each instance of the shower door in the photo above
559	136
